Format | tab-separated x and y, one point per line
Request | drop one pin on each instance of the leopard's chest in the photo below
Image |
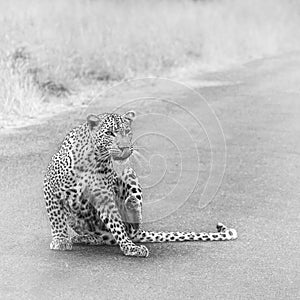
84	218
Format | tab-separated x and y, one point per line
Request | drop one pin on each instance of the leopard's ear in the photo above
93	121
130	115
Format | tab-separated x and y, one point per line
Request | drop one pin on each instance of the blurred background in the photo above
51	50
240	148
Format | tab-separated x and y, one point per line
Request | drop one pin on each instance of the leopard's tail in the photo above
223	234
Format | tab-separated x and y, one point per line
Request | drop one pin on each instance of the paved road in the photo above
259	196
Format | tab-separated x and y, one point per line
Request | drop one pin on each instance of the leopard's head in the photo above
112	135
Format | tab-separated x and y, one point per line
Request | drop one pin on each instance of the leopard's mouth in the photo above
121	155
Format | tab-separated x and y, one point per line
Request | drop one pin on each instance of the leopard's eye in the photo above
110	133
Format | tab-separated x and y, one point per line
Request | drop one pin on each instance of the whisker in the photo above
104	155
139	150
139	157
138	153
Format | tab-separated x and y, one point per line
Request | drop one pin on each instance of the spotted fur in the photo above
82	191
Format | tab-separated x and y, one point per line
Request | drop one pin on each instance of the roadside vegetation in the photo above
51	49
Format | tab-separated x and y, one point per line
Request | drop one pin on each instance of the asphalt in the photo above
250	183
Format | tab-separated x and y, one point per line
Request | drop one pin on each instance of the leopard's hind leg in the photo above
88	231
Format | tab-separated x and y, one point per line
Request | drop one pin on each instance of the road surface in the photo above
259	196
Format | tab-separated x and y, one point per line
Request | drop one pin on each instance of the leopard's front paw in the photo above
140	251
61	244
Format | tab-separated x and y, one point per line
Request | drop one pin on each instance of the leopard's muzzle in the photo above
121	153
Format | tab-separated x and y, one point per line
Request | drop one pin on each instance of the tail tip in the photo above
232	233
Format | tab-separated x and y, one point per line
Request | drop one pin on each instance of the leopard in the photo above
85	195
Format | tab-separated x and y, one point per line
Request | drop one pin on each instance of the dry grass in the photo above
76	42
